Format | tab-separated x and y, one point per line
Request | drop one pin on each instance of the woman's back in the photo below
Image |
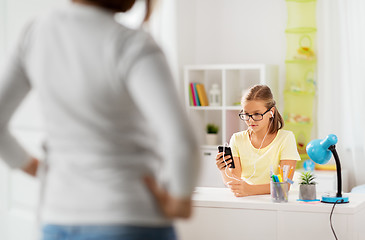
101	140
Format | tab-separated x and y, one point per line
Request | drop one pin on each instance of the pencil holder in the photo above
279	191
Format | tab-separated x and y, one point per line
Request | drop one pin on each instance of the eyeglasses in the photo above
255	116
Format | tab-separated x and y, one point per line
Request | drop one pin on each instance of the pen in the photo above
285	172
291	170
280	171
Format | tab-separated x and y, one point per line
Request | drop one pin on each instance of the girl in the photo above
262	147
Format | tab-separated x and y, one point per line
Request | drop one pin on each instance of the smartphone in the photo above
227	151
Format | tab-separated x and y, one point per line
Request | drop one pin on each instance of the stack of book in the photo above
198	95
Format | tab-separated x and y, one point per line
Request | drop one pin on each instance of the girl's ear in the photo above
272	111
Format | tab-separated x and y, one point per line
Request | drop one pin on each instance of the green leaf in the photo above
307	178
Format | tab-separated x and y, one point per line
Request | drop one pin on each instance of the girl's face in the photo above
256	108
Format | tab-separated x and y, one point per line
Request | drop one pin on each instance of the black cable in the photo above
333	230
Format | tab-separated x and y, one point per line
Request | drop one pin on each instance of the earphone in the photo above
247	179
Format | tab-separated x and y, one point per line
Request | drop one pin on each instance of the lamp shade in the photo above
318	150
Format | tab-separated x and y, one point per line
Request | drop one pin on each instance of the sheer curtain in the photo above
341	81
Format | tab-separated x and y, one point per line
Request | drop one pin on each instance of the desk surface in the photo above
224	198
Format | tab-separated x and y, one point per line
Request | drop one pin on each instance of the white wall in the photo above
2	29
232	31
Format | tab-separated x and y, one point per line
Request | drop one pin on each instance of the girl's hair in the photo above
122	6
263	93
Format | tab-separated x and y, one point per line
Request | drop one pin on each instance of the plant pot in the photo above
307	192
211	138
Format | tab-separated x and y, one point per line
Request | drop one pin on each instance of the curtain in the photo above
341	81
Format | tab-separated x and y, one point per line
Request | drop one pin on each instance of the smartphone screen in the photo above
227	151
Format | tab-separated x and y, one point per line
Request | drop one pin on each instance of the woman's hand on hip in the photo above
171	207
31	167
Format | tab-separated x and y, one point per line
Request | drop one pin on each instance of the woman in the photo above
113	122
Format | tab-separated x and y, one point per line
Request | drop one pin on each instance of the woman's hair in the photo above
263	93
122	6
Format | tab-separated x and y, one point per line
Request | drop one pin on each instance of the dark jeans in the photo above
115	232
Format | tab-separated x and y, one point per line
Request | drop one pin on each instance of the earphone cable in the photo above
225	171
254	171
254	166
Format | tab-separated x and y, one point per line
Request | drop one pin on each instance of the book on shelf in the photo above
198	95
191	97
192	91
202	95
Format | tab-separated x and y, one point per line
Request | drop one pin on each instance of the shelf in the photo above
233	80
220	67
301	68
237	108
205	108
210	147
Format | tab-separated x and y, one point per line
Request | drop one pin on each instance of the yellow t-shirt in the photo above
283	147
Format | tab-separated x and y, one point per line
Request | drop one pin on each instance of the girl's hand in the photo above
239	188
170	207
31	167
219	161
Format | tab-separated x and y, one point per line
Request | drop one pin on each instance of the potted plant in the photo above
212	134
307	186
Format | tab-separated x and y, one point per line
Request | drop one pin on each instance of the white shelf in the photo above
205	108
233	108
232	80
226	67
209	147
215	108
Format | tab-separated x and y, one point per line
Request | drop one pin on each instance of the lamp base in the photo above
333	199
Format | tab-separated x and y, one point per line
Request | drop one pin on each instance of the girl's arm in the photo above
233	173
242	189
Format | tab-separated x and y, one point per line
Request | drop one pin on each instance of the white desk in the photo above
220	215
